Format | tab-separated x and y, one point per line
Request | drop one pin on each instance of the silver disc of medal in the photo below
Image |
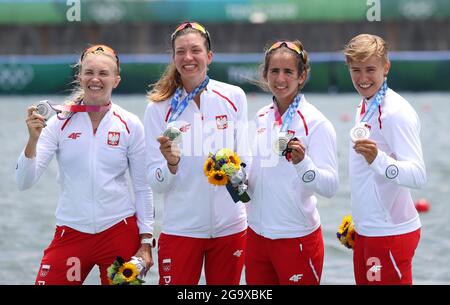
173	133
280	143
359	132
44	109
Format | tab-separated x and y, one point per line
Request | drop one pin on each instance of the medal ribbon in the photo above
78	108
177	106
289	114
375	103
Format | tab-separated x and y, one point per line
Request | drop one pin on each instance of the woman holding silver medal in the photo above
189	116
385	160
96	142
295	158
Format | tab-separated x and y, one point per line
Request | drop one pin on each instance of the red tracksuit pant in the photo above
72	254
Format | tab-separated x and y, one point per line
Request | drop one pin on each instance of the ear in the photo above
117	81
386	68
302	78
210	57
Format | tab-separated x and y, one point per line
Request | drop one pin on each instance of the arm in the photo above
145	212
41	146
318	170
406	167
242	146
158	173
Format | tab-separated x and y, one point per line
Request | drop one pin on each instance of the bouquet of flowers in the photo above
126	273
346	232
225	168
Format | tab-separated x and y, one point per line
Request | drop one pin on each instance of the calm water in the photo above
27	218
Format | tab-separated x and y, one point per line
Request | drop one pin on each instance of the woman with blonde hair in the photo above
96	142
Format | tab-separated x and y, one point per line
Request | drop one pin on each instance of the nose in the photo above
188	55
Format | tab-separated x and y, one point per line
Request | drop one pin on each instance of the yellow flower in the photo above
346	232
235	160
218	177
208	167
129	271
345	223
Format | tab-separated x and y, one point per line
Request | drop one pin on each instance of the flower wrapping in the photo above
226	168
346	232
127	273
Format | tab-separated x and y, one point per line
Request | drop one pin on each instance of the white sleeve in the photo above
158	173
242	146
406	167
142	192
318	171
28	171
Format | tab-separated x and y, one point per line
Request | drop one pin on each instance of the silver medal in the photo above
280	144
44	109
173	133
359	132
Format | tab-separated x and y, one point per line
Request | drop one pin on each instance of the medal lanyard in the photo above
179	107
288	116
78	108
375	103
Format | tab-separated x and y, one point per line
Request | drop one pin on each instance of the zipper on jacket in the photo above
93	171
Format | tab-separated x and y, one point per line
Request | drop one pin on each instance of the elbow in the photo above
422	180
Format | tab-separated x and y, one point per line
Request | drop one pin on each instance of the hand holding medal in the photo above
359	132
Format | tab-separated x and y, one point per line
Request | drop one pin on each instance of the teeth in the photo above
189	66
365	86
95	88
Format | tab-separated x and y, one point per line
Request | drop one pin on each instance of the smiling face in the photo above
368	76
98	77
191	58
283	76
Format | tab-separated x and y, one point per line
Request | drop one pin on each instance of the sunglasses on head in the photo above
194	25
100	48
290	45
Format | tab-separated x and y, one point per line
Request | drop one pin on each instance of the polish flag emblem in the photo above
113	138
222	121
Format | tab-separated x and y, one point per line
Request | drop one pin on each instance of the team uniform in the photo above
200	220
96	217
284	242
386	221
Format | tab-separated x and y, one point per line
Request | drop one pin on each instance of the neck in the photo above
190	84
96	103
284	103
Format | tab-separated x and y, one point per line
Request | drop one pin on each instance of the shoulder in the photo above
124	114
264	110
311	113
396	107
225	88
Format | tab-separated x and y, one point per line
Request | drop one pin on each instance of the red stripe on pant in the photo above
72	254
284	261
384	260
180	259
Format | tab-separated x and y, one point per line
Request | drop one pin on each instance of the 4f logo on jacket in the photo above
74	135
113	138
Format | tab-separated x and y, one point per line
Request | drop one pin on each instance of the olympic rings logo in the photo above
15	76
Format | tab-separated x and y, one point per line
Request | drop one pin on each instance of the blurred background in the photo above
41	40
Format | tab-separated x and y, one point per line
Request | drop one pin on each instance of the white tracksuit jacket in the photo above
283	203
94	193
192	206
381	201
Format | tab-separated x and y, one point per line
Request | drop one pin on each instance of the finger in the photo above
162	139
31	109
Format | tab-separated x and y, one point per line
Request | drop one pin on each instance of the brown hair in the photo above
303	64
361	47
170	80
